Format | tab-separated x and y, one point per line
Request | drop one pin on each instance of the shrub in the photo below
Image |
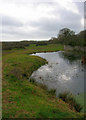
78	107
52	91
63	96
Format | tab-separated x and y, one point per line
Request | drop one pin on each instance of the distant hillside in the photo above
21	45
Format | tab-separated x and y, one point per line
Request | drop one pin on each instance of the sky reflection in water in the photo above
60	74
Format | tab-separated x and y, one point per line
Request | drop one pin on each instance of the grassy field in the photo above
33	48
23	99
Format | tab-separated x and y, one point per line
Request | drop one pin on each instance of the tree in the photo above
65	32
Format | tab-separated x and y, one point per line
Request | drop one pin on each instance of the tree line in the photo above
68	37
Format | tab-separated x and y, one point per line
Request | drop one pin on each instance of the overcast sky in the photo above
39	19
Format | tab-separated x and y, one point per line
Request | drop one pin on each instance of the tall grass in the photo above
69	98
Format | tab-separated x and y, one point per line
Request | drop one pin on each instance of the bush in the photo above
41	43
63	96
13	45
69	98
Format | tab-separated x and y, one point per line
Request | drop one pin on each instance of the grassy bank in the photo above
33	48
23	99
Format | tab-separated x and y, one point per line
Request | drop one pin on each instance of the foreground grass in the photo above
23	99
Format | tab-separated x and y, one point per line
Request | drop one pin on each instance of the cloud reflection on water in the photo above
62	76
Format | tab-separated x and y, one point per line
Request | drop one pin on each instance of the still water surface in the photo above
60	73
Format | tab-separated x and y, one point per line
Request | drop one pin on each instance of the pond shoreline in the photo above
21	98
40	69
74	48
69	57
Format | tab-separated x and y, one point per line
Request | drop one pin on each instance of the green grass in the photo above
24	99
33	49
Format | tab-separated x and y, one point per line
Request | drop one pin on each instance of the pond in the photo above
62	74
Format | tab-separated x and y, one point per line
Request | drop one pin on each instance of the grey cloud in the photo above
69	20
47	27
10	21
85	9
16	33
85	15
28	1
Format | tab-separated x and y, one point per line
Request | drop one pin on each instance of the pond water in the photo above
63	73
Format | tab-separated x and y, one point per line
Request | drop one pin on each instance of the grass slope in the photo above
22	99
